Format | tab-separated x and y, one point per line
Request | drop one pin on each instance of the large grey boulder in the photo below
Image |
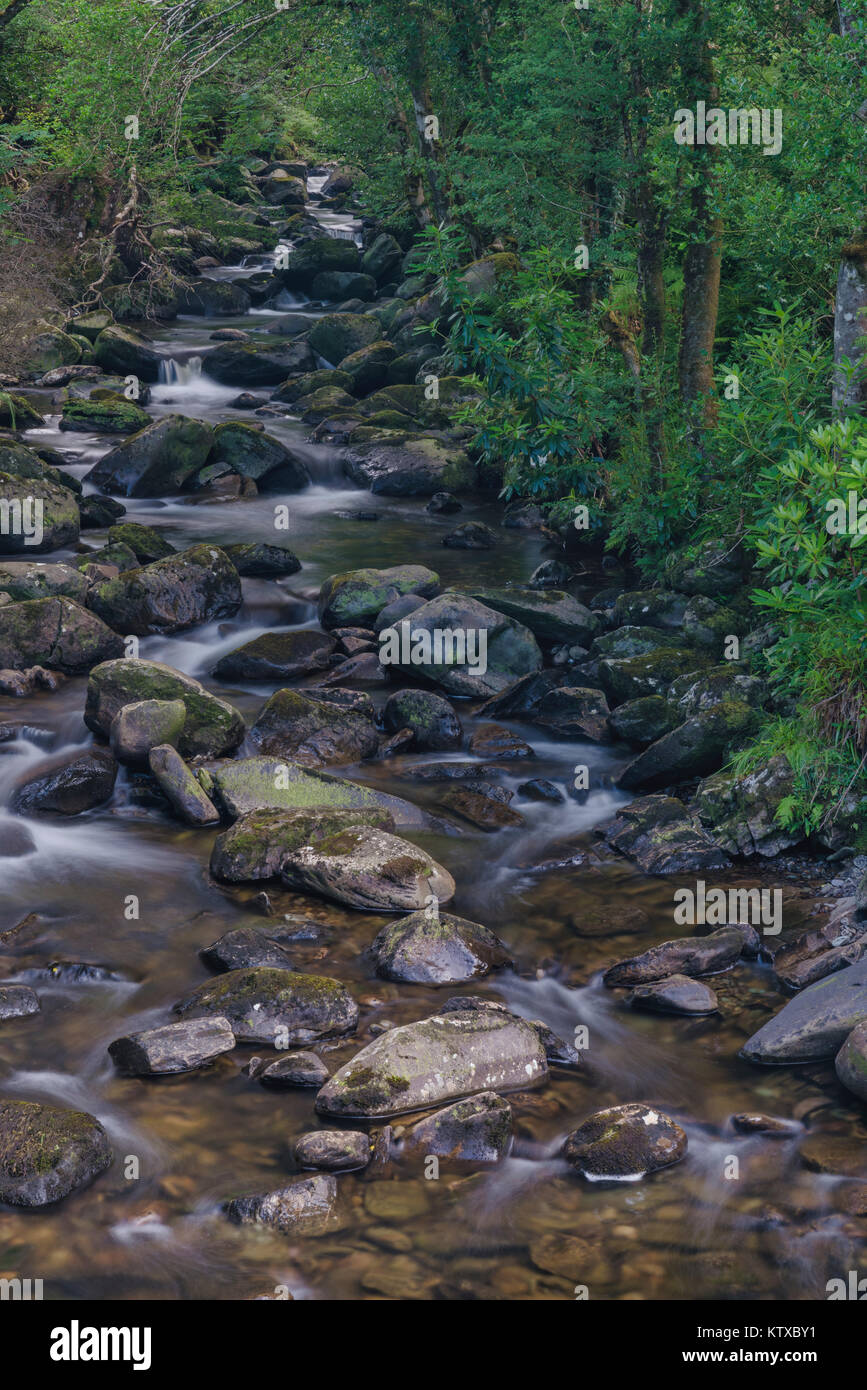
551	614
475	1130
258	842
314	732
814	1025
211	727
496	650
625	1141
157	460
256	784
441	1058
436	948
356	597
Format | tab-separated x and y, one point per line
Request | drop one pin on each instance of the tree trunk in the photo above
849	390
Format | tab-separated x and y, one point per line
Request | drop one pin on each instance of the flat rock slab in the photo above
304	1207
659	834
369	869
255	784
677	994
274	1006
436	949
691	955
624	1142
814	1025
178	1047
277	656
46	1153
440	1058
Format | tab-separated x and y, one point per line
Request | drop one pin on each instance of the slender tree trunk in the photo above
849	391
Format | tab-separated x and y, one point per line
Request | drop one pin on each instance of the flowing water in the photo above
150	1227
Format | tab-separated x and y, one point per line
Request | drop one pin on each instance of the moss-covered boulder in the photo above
261	559
411	466
27	579
307	1206
550	614
274	1006
157	460
383	258
657	608
90	325
278	656
170	595
299	387
741	811
851	1062
367	368
128	353
16	412
314	732
50	349
37	515
694	748
415	1066
55	632
632	640
661	836
643	721
496	650
139	727
335	336
146	543
252	784
434	948
109	414
625	1141
211	726
434	723
254	454
256	845
321	253
343	285
574	712
356	597
213	298
258	364
628	678
368	869
718	567
46	1152
183	791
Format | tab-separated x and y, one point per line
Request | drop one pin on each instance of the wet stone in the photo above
295	1069
266	1005
178	1047
47	1152
335	1150
17	1001
304	1207
677	994
624	1141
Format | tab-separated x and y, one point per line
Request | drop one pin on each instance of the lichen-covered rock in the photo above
278	656
305	1207
321	253
257	844
718	568
23	580
369	869
814	1025
694	748
689	955
211	727
661	836
625	1141
264	1005
54	632
633	640
157	460
741	812
138	728
46	1153
355	598
314	732
436	948
440	1058
258	364
658	608
145	542
103	414
335	1150
293	1069
257	558
475	1130
174	1048
67	786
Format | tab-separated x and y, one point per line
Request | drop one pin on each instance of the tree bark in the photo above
849	390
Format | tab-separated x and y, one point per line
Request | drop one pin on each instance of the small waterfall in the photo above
175	373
